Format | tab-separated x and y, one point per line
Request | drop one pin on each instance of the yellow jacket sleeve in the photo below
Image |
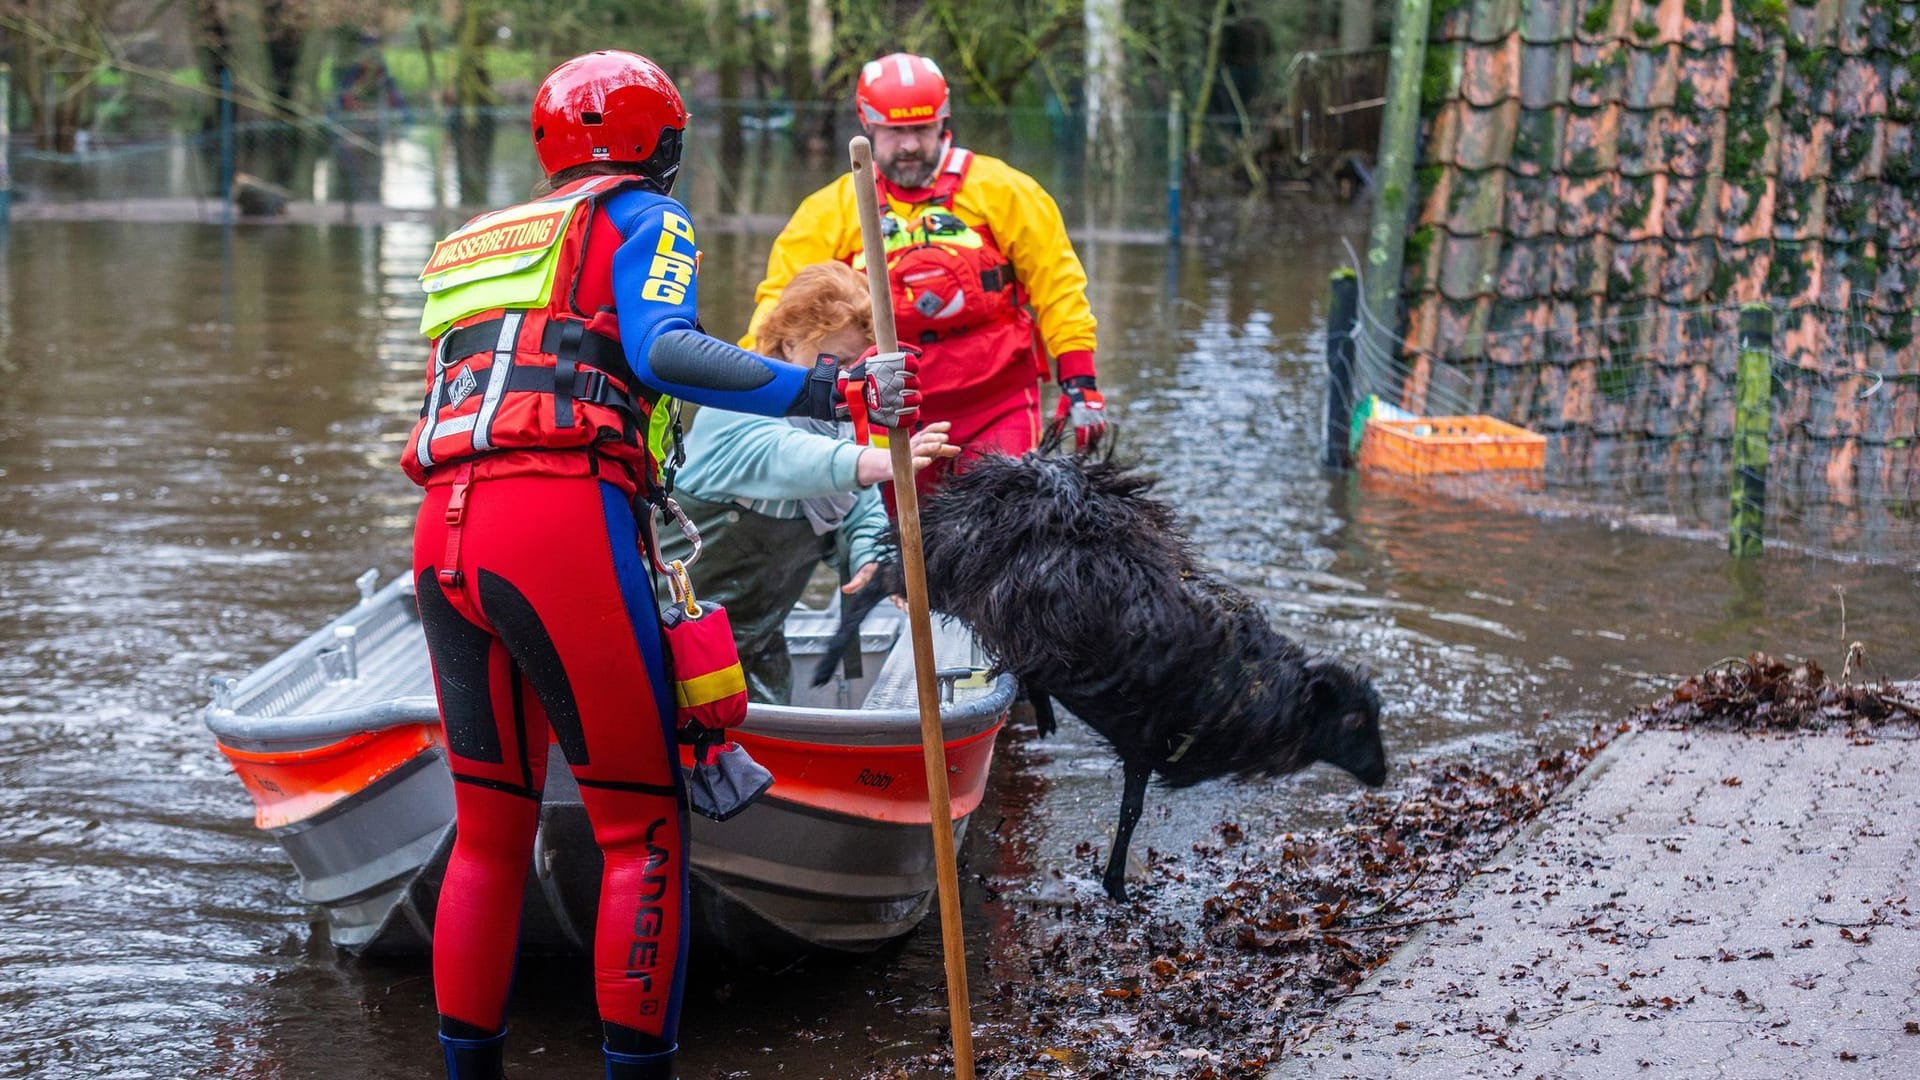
826	226
1027	225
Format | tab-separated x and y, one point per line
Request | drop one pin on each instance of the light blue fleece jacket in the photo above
774	465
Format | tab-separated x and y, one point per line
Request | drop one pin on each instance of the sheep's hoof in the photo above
1116	886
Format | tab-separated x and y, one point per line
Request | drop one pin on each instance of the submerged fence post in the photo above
1176	155
226	143
1341	317
1752	420
6	140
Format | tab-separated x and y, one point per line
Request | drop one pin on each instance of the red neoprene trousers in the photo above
551	627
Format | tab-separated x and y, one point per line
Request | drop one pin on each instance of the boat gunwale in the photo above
243	731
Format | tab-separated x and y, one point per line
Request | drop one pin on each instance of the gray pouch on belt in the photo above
725	780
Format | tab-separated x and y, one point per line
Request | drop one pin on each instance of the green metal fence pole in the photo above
1393	193
1752	420
1342	314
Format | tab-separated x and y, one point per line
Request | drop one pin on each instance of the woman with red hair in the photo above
775	497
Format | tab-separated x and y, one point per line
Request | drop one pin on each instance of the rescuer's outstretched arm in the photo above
655	289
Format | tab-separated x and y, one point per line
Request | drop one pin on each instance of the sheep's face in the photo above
1346	720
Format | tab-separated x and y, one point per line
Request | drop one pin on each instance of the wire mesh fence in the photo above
1643	410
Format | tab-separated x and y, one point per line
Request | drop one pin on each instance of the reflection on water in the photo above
197	437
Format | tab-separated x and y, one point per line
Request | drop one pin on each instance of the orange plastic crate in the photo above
1439	445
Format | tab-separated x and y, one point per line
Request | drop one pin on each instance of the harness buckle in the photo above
592	386
457	500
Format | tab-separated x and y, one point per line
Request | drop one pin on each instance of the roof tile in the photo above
1463	327
1855	26
1607	18
1423	324
1750	278
1580	270
1531	209
1524	271
1717	32
1493	19
1857	150
1803	154
1687	274
1468	266
1547	21
1651	78
1707	77
1475	202
1486	136
1490	74
1434	201
1443	134
1536	141
1640	143
1642	206
1544	71
1591	143
1585	203
1586	186
1692	207
1688	142
1595	77
1800	211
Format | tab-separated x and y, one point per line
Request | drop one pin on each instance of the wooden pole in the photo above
1752	419
1394	195
933	743
1341	318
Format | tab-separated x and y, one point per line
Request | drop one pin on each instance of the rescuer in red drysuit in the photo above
559	327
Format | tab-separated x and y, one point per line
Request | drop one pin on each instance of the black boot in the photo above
475	1059
640	1066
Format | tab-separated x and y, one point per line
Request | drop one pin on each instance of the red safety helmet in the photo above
902	90
609	106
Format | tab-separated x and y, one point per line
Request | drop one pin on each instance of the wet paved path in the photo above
1697	904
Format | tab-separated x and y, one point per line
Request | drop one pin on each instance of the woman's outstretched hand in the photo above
928	445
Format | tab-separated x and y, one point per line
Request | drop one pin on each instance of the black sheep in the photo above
1079	583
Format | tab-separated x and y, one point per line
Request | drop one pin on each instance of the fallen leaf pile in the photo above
1764	692
1220	989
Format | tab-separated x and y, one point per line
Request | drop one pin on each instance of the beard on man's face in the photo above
909	169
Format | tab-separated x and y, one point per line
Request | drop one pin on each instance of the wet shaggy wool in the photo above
1081	583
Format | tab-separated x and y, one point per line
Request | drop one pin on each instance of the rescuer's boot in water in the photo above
640	1066
475	1059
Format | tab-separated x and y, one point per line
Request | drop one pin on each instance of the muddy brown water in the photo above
198	431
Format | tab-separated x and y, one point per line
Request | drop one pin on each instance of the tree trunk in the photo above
1356	24
1106	88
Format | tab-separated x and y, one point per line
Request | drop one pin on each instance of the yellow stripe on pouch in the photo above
711	687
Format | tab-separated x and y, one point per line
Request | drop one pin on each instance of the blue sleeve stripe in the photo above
655	292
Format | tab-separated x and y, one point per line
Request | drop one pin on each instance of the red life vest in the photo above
514	383
955	296
947	276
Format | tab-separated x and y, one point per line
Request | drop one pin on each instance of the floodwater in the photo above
198	431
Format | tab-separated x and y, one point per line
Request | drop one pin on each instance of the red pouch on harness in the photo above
709	686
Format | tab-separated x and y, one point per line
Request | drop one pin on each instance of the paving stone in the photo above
1662	922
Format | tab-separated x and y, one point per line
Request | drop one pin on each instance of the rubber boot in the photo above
475	1059
640	1066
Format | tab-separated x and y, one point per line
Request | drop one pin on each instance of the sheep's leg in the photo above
1044	721
1131	803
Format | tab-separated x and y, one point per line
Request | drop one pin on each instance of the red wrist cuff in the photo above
1070	364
